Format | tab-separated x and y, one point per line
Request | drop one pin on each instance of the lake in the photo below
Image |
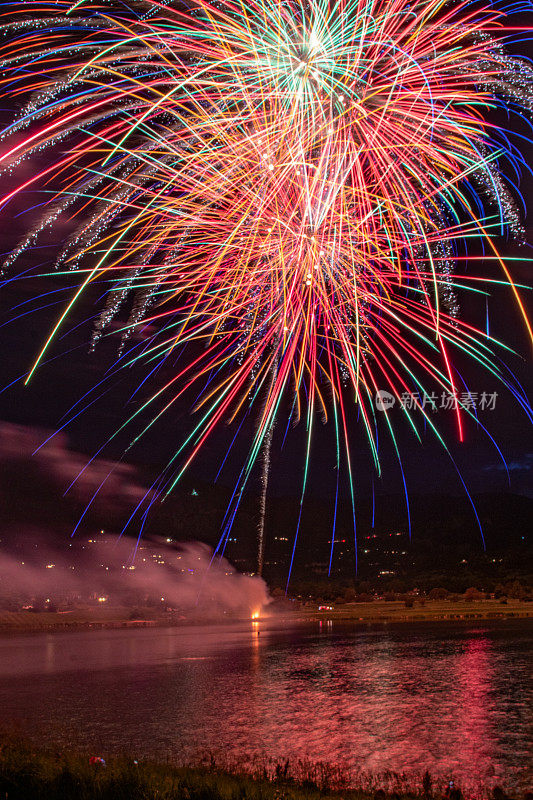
456	699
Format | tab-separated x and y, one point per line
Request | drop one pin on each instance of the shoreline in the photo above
372	614
51	774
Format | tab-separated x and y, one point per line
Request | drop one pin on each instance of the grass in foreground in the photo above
27	773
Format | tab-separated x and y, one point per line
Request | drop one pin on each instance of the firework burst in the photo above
288	184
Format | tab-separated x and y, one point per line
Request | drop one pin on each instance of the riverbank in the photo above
29	773
382	611
378	612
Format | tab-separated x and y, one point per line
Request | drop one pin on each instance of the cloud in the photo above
523	464
54	474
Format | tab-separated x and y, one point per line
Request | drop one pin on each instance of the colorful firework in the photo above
290	185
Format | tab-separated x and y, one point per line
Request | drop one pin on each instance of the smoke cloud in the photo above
184	577
39	560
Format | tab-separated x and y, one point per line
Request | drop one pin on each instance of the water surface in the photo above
455	700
